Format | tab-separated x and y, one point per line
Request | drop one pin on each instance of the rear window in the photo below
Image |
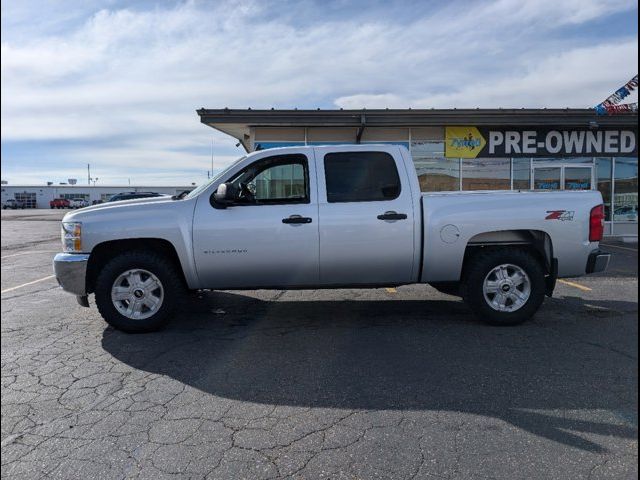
361	177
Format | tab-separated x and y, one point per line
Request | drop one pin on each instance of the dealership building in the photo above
39	196
473	149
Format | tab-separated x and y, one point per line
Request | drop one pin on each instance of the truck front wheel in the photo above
504	286
138	291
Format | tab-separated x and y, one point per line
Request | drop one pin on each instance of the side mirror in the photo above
222	197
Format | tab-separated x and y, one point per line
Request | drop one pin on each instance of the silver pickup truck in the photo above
328	217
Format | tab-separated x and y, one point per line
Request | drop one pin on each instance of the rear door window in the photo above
361	177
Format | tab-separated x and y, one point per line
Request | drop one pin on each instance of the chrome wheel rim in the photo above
507	288
137	294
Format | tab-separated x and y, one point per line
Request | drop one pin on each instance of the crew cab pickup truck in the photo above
328	217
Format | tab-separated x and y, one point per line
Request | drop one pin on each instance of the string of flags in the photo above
625	107
612	104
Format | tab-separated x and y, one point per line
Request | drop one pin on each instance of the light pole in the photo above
89	179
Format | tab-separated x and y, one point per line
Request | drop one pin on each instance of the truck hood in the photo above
113	207
121	203
156	218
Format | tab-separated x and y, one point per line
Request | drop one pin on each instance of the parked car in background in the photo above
13	204
78	203
133	195
59	203
329	217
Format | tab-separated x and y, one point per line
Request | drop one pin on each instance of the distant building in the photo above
39	196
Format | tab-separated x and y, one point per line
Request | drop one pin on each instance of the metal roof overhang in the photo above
238	123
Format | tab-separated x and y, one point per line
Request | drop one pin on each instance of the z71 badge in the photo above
562	215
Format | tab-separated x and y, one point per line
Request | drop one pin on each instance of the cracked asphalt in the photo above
348	384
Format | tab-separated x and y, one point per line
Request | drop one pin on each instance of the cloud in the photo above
567	79
120	85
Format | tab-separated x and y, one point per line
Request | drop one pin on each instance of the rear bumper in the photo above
71	272
598	261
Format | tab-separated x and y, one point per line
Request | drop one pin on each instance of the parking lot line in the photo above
391	290
27	284
27	253
575	285
618	246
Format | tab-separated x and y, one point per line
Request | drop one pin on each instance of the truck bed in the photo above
451	221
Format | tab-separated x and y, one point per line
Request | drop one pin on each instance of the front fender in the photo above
169	220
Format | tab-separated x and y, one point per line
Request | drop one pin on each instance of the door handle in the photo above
296	219
391	215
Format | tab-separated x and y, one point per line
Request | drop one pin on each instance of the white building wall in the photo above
45	193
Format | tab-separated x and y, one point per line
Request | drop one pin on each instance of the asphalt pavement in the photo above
351	384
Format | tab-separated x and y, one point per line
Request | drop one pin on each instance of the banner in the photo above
486	142
610	105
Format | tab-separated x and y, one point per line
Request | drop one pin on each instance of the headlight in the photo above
71	236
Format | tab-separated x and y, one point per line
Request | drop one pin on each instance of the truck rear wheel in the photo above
138	291
504	286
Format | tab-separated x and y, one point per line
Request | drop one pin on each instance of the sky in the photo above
116	83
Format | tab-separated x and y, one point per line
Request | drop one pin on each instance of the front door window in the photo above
277	180
280	182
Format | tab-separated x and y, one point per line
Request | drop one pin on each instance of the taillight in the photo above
596	223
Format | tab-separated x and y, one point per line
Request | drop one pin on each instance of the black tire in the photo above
478	268
160	266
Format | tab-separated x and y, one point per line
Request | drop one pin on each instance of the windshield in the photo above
196	191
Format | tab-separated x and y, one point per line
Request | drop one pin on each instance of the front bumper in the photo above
598	261
71	272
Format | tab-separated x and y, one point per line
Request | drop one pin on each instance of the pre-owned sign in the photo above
472	142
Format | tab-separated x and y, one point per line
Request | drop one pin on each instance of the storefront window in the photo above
486	174
577	178
521	173
547	178
435	172
603	180
625	198
573	160
427	148
564	160
438	174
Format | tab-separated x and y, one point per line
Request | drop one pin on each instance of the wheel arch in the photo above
537	242
105	251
